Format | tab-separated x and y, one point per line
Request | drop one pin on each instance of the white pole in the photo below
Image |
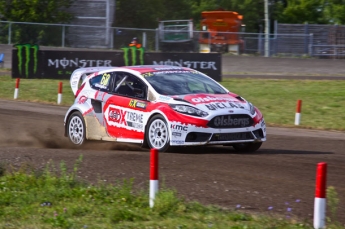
59	100
153	176
153	190
16	90
320	196
298	112
267	30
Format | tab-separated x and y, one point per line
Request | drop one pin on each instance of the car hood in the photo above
210	103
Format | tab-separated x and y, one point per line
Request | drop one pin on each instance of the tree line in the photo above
147	13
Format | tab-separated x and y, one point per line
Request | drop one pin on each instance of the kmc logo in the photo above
133	51
27	56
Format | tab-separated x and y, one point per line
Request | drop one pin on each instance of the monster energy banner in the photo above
30	62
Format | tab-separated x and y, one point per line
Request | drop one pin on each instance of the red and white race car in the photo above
160	106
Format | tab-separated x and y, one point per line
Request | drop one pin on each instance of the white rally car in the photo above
158	107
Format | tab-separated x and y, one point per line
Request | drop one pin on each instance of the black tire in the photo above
247	146
157	134
76	129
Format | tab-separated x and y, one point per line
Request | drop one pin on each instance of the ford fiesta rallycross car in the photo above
158	107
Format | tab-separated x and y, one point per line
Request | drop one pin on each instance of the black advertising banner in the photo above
30	62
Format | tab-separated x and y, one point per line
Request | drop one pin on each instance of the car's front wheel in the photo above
247	146
76	128
157	133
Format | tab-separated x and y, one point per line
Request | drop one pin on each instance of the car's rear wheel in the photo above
157	133
76	128
247	146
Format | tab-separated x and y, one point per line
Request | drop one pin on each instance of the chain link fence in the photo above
302	40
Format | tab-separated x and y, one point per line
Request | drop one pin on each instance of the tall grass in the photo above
57	198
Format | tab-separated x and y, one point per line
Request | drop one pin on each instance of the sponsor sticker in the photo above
82	99
176	134
117	115
137	104
177	142
223	105
179	127
126	118
164	98
228	121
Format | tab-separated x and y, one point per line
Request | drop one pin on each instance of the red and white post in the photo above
320	196
16	90
298	112
59	93
153	176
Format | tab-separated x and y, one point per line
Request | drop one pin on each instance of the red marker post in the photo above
59	100
16	90
298	112
320	196
153	176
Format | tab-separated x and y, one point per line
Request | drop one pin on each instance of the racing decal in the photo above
105	79
82	99
137	104
231	121
135	120
177	142
164	98
179	127
208	99
126	118
88	111
223	105
117	116
168	71
176	134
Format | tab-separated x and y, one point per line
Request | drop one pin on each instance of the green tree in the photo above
40	11
304	11
334	11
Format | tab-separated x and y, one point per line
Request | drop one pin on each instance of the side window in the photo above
130	86
101	82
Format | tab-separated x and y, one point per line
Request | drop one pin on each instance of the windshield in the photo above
182	83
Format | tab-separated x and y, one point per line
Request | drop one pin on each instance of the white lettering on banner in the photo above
189	64
79	63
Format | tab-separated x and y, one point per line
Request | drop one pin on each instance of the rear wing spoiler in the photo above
81	73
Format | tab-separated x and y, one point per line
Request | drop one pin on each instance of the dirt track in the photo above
280	175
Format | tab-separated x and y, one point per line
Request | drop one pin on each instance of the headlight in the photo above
252	108
188	110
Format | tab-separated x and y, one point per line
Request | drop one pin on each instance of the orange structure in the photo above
220	31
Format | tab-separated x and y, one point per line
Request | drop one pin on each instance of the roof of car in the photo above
153	68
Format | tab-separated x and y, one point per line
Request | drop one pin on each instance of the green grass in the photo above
32	198
323	103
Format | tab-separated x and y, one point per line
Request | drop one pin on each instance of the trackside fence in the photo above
116	38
